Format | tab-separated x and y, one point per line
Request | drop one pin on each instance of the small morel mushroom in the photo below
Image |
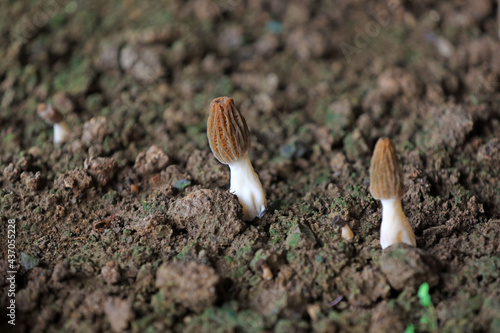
347	233
386	184
229	139
54	117
267	274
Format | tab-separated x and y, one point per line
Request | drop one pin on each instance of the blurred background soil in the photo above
128	226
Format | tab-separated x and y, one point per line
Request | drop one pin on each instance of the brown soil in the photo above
129	226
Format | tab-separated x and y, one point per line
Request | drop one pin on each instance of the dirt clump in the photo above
204	168
212	217
364	287
33	182
61	272
490	152
447	127
408	267
95	130
119	313
150	224
193	285
111	272
385	320
27	298
143	62
11	172
151	160
77	180
102	169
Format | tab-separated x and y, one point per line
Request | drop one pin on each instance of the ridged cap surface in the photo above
227	131
49	113
386	174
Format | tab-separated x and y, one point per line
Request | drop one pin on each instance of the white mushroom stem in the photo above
61	132
245	183
395	226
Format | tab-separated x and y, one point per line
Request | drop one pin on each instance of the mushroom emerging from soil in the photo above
267	274
347	233
54	117
229	139
386	184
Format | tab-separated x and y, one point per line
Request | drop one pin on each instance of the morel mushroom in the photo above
346	233
386	184
54	117
229	139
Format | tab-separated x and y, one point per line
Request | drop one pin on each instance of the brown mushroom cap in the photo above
49	113
227	131
386	174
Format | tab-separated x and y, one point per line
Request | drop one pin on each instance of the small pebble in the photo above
134	189
111	272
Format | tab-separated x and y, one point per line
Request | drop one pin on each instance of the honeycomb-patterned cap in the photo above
386	175
49	113
227	131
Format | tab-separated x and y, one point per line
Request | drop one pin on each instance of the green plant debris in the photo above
182	184
428	319
29	261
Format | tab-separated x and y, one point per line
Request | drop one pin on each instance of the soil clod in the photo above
151	160
212	217
111	272
192	285
407	267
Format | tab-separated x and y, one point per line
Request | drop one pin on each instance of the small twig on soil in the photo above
336	301
102	225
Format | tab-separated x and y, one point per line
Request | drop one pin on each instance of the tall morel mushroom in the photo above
386	184
54	117
229	139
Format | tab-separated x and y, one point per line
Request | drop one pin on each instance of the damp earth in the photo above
128	226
